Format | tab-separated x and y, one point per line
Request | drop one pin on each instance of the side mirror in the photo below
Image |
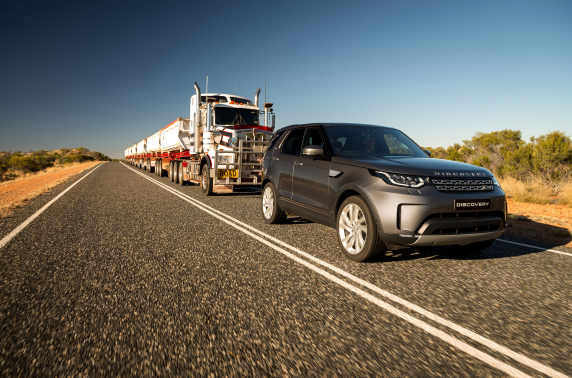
427	152
313	151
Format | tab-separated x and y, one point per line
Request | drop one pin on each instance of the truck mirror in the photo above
273	121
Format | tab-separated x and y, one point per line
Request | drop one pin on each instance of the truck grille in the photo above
463	185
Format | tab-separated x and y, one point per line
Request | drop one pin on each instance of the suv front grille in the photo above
463	185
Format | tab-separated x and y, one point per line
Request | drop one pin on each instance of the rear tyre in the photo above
181	174
357	231
271	212
478	246
172	171
176	166
206	181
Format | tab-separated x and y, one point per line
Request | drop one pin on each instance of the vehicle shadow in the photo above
523	231
453	252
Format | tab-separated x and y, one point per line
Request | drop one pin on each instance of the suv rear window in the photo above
293	143
274	139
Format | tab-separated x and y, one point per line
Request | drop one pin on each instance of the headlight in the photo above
224	159
496	182
402	180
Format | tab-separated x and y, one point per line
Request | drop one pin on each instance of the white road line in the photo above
434	331
535	247
17	230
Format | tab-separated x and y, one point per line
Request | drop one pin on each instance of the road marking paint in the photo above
535	247
428	328
17	230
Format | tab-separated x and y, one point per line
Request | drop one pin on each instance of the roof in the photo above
332	124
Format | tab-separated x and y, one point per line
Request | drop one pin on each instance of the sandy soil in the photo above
15	194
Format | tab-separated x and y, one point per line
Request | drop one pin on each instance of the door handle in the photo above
298	163
275	158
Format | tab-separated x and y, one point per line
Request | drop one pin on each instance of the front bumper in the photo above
427	216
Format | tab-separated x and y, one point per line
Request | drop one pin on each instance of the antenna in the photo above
264	89
207	91
268	85
235	89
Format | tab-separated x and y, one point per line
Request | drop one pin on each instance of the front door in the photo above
311	175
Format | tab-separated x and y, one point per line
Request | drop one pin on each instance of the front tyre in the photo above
271	212
206	181
357	231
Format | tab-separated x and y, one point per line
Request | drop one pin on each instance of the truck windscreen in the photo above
234	116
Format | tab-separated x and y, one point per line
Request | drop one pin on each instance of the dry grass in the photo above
534	191
24	174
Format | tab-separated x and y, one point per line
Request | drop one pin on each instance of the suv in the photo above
379	190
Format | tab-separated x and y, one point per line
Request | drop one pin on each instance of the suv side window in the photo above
313	137
293	142
274	139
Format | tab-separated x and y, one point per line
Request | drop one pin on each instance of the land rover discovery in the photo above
379	190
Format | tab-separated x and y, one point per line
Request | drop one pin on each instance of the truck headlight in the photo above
402	180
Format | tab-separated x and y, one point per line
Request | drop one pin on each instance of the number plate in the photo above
224	173
472	204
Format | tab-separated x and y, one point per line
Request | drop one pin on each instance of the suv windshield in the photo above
234	116
371	141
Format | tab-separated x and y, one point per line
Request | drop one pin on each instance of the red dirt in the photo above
17	191
548	222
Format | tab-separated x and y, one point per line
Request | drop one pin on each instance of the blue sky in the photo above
104	75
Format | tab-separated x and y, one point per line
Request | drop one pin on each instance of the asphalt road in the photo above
128	274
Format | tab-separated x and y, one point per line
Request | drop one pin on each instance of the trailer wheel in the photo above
176	166
206	181
151	168
181	175
171	171
161	174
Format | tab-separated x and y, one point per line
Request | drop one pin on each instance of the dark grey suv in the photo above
379	190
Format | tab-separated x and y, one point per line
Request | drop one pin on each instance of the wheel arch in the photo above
353	190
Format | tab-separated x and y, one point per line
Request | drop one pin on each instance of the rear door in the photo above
311	175
283	161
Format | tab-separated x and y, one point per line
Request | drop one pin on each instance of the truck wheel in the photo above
176	166
271	212
172	171
206	181
477	247
357	231
181	174
151	168
161	173
158	170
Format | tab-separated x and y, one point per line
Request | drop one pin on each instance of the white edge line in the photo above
488	343
535	247
23	225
